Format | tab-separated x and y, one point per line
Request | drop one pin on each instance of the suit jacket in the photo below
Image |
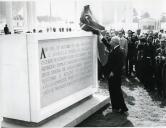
124	45
115	62
132	50
149	51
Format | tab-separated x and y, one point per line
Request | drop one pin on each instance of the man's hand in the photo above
111	74
100	37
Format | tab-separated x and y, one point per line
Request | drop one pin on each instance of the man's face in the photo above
112	34
163	44
120	34
138	32
129	33
150	39
155	36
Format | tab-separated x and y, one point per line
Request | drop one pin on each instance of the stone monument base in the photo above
68	117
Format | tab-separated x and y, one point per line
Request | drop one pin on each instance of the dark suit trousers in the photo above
116	94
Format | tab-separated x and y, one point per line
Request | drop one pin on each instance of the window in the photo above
18	16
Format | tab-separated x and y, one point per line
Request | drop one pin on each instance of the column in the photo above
31	15
25	16
9	16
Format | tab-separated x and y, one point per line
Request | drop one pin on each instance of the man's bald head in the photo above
114	41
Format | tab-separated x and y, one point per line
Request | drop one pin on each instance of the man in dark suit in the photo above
149	61
132	52
113	72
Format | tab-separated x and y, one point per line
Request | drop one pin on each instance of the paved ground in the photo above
145	109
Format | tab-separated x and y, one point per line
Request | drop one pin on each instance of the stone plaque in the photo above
66	67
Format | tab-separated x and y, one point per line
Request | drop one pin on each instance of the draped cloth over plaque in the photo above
88	22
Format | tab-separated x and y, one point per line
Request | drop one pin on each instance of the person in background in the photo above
138	33
112	33
161	31
146	35
102	55
123	32
159	36
131	56
116	33
156	41
6	30
123	45
149	61
140	62
127	59
159	62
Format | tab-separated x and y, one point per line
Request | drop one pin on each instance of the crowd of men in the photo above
145	57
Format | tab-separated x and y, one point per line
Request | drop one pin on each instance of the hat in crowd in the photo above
155	34
120	31
138	29
142	38
130	32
